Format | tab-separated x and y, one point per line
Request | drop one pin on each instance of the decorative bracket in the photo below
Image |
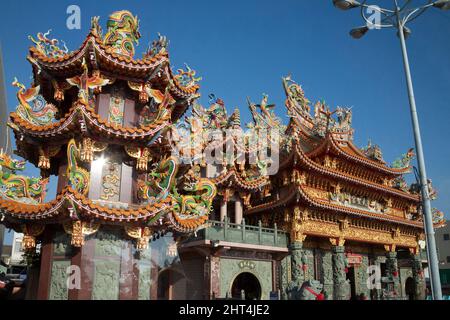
88	147
142	236
390	247
78	229
45	153
30	234
339	241
142	156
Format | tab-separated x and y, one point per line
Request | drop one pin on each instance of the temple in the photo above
160	198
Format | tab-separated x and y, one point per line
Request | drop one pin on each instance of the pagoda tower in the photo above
99	119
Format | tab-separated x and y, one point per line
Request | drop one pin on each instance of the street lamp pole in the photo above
426	203
403	15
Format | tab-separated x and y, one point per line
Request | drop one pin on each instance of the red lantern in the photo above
395	274
346	270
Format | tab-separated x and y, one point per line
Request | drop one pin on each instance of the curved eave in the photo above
287	198
322	204
351	179
232	175
113	64
300	194
85	207
354	155
72	121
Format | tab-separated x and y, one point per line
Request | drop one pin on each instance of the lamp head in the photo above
442	4
346	4
359	32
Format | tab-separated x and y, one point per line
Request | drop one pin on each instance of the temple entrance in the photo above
410	288
351	278
247	284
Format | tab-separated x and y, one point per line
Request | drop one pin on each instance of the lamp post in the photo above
397	18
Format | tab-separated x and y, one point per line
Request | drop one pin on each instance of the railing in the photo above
242	233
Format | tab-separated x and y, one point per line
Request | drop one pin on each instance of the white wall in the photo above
443	246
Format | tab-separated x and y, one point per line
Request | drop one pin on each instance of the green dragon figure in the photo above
122	33
296	102
78	177
192	210
405	160
17	187
163	180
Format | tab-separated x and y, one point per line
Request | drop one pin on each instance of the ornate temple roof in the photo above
154	66
81	117
305	144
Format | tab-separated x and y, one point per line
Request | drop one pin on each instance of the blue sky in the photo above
243	48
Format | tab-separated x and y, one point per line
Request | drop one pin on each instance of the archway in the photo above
249	284
410	288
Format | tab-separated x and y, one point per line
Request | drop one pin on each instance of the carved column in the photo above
418	275
392	270
299	263
341	289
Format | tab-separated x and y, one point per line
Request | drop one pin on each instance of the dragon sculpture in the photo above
189	210
438	217
192	210
122	32
78	177
49	47
405	161
296	102
32	106
163	178
17	187
187	77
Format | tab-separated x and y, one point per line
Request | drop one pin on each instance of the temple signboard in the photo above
354	259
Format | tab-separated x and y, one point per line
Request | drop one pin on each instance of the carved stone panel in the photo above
58	280
106	280
144	281
61	244
108	243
